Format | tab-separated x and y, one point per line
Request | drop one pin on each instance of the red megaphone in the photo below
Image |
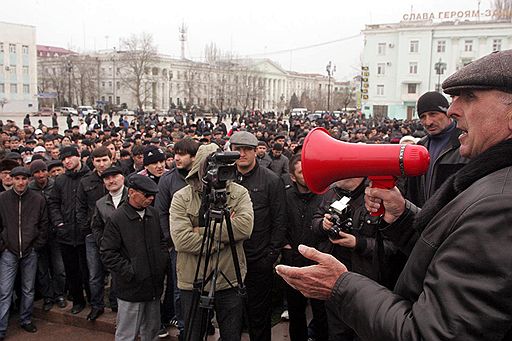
326	160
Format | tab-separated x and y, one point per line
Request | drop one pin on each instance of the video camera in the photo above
221	168
340	217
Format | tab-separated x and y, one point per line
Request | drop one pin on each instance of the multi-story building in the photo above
18	68
403	60
162	83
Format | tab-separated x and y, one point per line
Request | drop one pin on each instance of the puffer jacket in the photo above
184	213
23	222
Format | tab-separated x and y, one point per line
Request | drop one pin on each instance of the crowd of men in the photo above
127	201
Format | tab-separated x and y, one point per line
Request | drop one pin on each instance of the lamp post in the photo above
331	69
69	68
114	77
170	88
439	67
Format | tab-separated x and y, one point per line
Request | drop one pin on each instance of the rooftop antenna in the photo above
183	39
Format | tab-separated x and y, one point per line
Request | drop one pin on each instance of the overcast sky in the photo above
246	28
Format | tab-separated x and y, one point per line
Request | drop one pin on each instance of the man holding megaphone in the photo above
457	282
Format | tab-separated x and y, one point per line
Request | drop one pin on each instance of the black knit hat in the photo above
153	154
432	101
37	165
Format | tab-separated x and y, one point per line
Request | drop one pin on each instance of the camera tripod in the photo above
203	299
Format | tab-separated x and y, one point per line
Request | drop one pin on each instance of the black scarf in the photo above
495	158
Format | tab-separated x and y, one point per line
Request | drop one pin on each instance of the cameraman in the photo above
360	245
187	235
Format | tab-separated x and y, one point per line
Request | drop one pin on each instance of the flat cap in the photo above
54	163
114	170
8	164
20	171
13	155
244	138
493	71
142	183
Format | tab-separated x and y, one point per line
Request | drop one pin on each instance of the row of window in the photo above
412	88
413	68
14	88
441	46
12	48
12	68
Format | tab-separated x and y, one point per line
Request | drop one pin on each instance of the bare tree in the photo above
86	79
502	9
137	57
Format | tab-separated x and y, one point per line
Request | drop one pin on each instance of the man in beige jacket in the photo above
187	236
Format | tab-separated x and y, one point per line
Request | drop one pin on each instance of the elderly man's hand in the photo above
392	199
315	281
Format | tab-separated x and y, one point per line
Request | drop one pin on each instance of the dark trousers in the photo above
167	306
259	305
51	276
229	309
298	326
75	263
97	274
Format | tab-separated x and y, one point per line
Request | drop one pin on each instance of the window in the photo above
118	100
103	98
12	48
110	84
381	67
26	88
102	84
468	45
2	88
14	88
411	88
110	99
413	68
441	46
381	49
380	90
414	46
118	85
24	49
1	47
496	45
25	70
102	70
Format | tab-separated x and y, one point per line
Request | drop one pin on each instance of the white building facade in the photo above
18	68
168	83
404	60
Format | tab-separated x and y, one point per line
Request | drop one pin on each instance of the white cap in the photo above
39	149
38	131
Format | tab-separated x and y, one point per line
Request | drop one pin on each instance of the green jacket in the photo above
184	216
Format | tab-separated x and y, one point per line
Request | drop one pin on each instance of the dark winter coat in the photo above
62	207
457	282
134	250
90	189
447	163
102	212
266	190
23	222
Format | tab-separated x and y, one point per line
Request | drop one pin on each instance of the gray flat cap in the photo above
493	71
244	138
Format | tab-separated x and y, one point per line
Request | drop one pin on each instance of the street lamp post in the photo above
114	78
69	68
331	69
439	67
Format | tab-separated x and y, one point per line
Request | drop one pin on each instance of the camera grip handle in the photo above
385	182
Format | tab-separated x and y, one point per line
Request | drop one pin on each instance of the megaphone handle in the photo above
383	181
